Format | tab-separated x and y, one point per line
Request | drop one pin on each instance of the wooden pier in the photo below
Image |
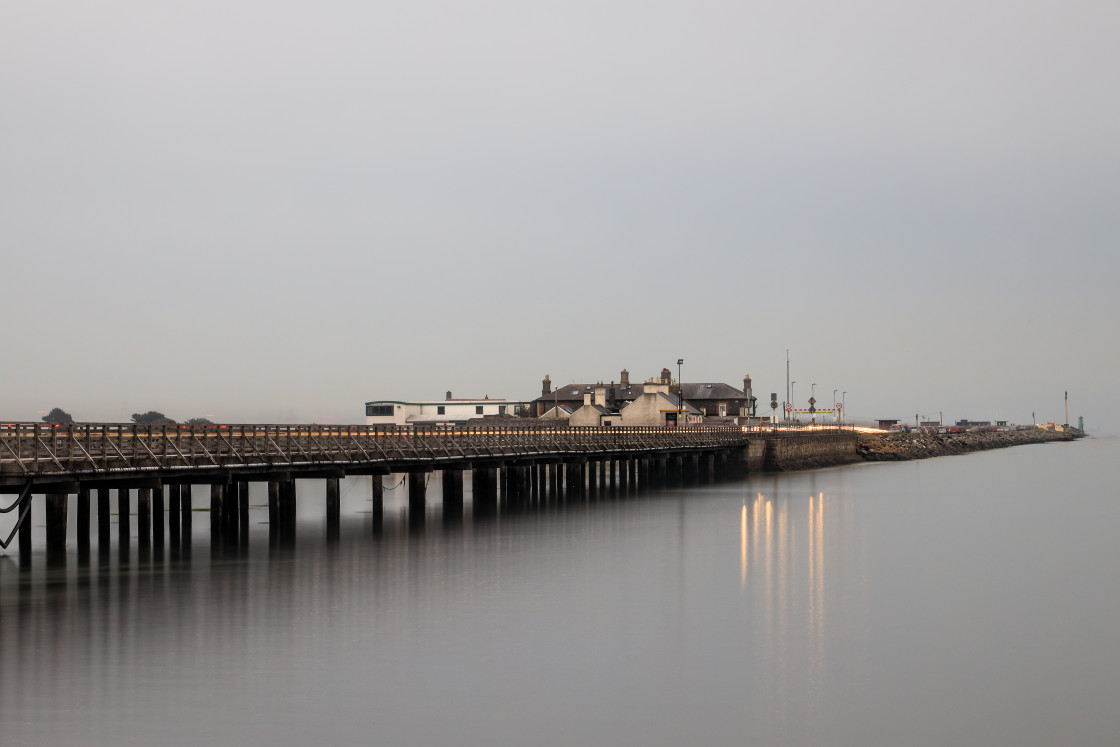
159	465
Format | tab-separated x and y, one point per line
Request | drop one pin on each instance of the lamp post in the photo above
680	391
843	406
788	398
813	403
835	415
792	402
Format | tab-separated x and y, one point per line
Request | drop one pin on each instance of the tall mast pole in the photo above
787	381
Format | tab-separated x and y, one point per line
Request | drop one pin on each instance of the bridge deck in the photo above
117	451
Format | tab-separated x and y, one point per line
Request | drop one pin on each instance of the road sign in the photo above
839	405
789	407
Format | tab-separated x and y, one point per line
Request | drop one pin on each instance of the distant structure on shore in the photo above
448	411
659	401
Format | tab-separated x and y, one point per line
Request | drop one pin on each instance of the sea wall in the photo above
804	451
779	453
893	447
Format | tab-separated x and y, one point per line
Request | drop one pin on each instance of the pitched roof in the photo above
714	390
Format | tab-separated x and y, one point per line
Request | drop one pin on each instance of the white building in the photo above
449	411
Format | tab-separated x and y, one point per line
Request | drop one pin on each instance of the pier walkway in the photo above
508	464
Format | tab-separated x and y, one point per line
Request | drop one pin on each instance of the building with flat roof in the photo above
449	411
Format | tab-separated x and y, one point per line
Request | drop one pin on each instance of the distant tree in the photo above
200	421
151	417
56	416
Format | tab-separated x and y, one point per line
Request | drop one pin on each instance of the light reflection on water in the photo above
957	600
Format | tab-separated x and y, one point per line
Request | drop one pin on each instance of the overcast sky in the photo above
276	211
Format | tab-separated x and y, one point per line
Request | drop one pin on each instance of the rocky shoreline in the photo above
896	447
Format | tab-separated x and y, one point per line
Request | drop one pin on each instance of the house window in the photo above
379	410
478	409
501	409
723	409
441	410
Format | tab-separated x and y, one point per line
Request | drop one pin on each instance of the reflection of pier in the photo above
161	467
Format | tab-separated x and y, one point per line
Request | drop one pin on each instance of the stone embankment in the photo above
894	447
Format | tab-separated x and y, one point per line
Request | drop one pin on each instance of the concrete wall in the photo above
806	452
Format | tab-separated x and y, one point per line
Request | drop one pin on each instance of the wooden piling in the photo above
217	516
243	512
144	517
157	517
83	521
334	509
377	502
25	508
417	491
124	521
273	503
104	533
56	526
452	490
173	502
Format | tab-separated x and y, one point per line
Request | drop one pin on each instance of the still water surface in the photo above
959	600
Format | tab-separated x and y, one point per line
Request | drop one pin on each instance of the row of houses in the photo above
659	401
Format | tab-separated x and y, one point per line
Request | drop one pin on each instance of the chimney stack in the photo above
449	394
600	395
546	386
625	379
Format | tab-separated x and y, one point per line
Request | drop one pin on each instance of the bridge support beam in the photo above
185	503
273	509
144	518
25	507
124	522
217	516
287	512
173	492
104	533
243	512
417	491
708	463
334	509
377	500
484	489
83	524
157	518
56	528
452	491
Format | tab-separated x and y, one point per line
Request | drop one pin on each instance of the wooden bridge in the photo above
97	452
162	463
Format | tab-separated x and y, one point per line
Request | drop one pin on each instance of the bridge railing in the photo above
30	449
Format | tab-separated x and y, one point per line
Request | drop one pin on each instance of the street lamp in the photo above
792	402
680	391
835	415
813	404
843	406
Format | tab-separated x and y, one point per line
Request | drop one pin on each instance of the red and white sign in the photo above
839	405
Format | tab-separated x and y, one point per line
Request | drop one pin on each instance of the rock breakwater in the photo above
895	447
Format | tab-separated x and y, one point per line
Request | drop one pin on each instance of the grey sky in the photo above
275	211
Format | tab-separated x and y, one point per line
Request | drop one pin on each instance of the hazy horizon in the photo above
277	212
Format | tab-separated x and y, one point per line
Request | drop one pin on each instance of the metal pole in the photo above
787	384
680	391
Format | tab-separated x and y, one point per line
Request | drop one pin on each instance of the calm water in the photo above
960	600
